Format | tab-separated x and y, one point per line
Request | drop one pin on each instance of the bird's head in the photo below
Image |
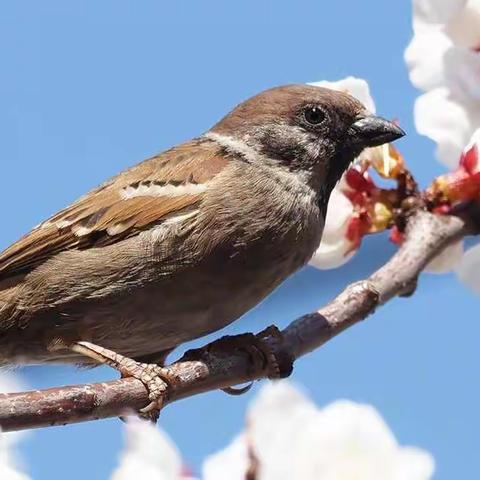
312	131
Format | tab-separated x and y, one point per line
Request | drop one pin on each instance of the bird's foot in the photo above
157	379
264	347
279	361
266	351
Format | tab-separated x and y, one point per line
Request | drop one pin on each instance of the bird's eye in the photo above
314	115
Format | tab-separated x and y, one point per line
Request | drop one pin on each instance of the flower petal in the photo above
149	454
444	121
414	464
468	269
9	466
424	57
356	87
462	75
447	260
464	26
231	463
291	438
436	11
335	248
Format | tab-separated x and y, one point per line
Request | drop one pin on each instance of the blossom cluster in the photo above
286	436
359	206
444	62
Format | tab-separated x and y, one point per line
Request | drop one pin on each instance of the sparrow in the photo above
185	242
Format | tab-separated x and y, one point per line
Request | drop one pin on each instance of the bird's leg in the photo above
157	379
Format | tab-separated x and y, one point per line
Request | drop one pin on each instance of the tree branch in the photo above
222	363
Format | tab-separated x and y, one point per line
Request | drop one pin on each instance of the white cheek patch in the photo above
152	189
293	181
235	146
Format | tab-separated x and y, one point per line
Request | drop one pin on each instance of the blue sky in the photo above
88	88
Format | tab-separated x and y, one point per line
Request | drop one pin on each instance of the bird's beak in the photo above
371	131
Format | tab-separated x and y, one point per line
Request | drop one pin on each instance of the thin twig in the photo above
222	364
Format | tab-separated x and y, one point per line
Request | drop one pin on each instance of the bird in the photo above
185	242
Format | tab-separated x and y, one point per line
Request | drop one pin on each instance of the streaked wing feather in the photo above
105	216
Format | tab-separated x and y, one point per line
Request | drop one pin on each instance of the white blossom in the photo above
335	249
149	454
444	61
10	467
449	131
233	462
357	87
449	111
447	260
468	269
287	437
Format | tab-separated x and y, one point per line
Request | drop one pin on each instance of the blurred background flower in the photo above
149	454
11	466
287	437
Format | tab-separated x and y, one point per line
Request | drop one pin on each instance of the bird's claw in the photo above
279	362
265	351
158	380
237	391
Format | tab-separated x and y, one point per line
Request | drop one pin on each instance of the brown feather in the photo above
90	220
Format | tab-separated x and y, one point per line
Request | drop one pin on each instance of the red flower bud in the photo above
396	236
469	159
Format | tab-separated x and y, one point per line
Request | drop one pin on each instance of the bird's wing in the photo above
170	184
